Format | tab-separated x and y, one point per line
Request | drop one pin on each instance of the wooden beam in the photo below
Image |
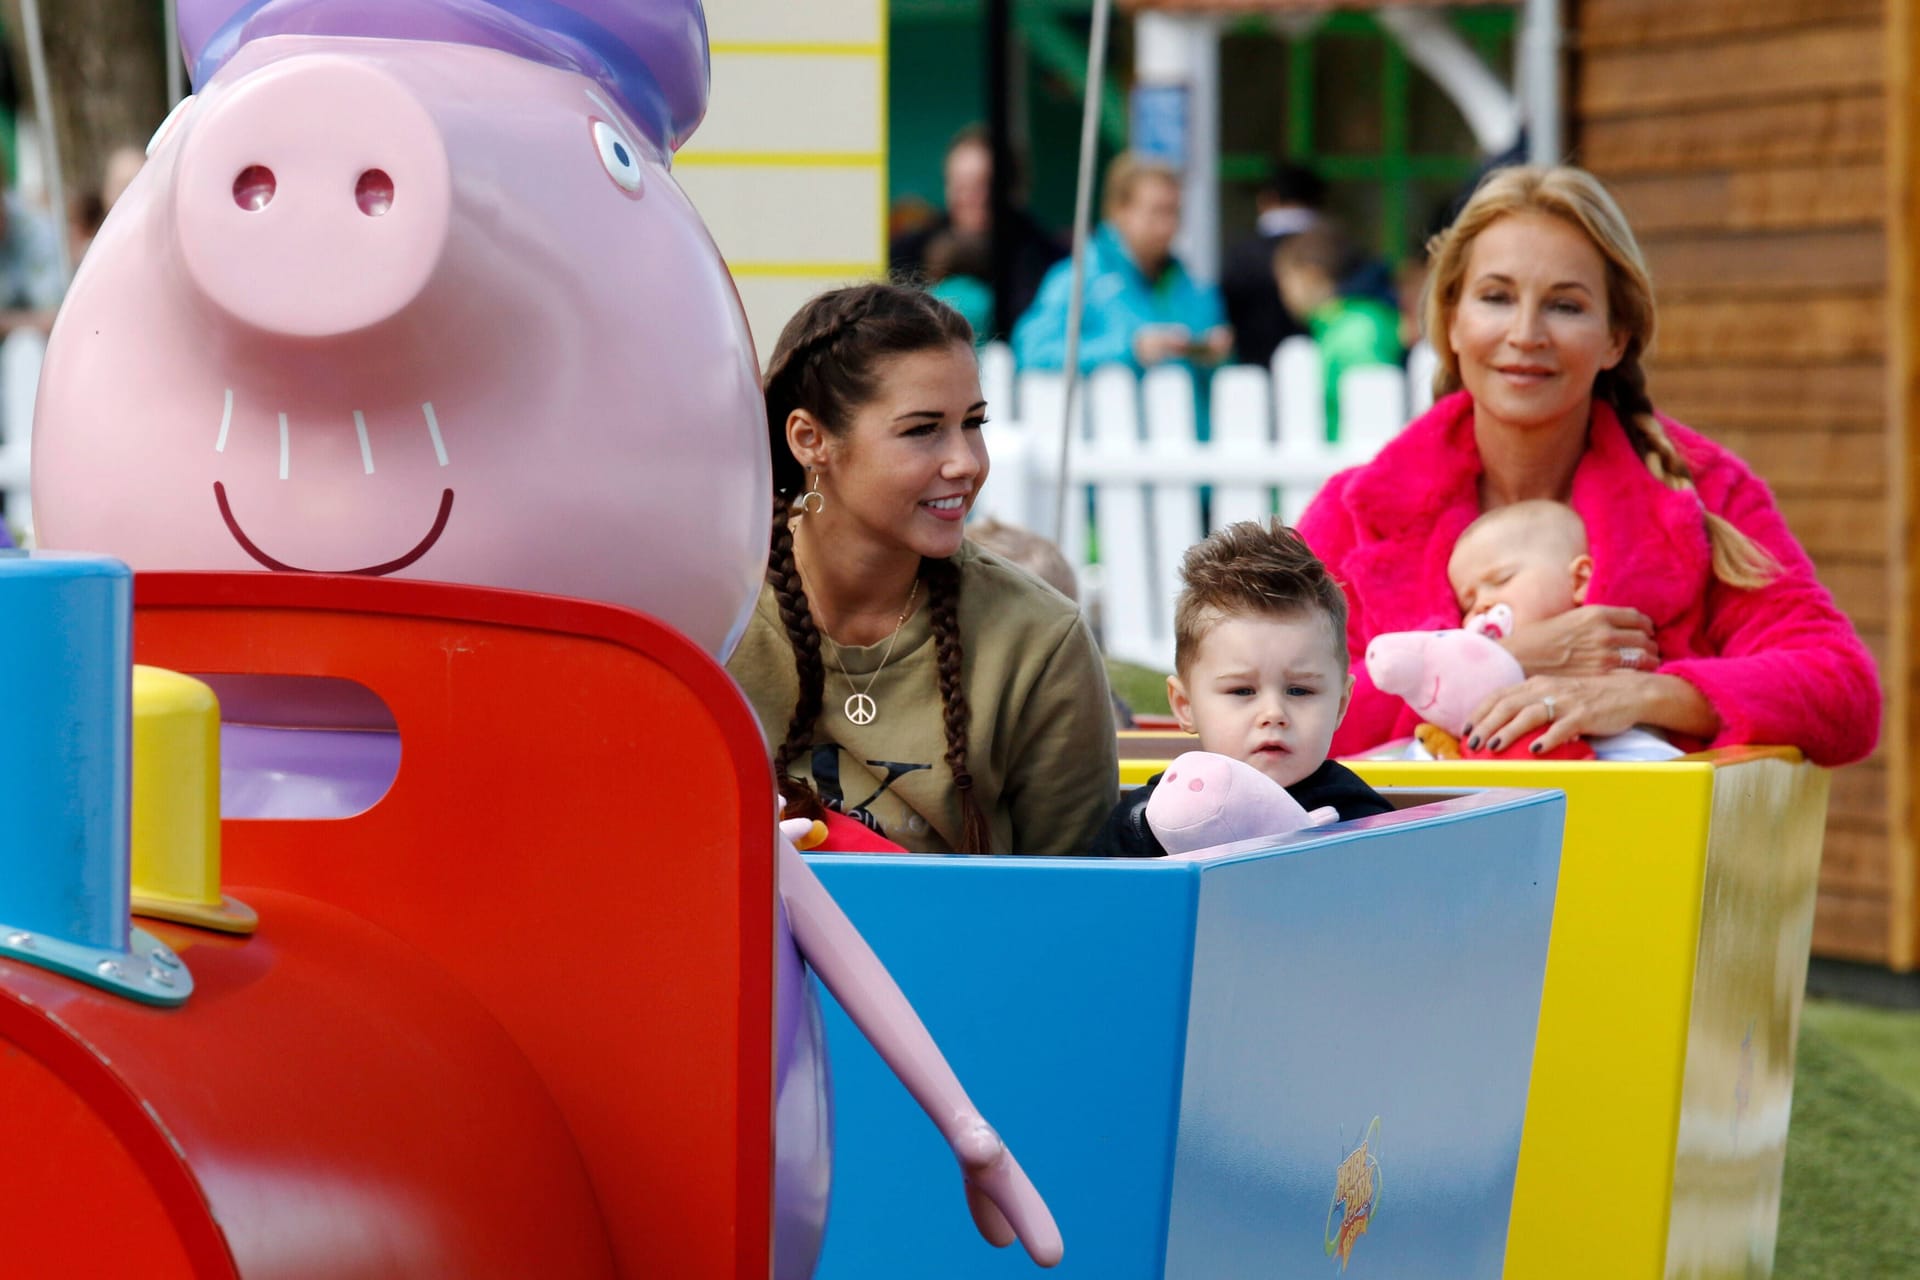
1852	926
1706	265
1841	126
1848	464
1814	329
1763	69
1834	397
1902	735
1854	858
1840	528
1859	791
1818	196
1611	24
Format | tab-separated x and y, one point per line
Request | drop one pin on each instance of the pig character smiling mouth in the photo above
252	548
382	569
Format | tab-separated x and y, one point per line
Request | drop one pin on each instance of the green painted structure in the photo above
1339	96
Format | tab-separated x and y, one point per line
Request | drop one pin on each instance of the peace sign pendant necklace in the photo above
859	706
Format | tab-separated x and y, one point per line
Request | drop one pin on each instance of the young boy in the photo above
1260	660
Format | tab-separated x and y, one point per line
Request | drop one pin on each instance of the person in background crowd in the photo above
1142	308
1042	558
1288	202
89	208
1352	331
122	166
958	267
30	283
968	177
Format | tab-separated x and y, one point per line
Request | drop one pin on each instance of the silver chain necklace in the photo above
860	706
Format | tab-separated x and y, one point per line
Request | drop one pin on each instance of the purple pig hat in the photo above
649	56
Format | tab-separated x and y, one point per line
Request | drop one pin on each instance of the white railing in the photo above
1142	479
21	353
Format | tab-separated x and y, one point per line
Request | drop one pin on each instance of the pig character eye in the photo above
618	155
180	109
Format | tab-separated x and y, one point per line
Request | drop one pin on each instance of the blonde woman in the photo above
1540	308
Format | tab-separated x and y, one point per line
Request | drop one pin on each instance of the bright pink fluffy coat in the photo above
1780	665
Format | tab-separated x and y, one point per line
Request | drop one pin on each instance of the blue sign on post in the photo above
1158	129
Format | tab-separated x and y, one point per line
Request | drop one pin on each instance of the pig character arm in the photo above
1205	800
1004	1203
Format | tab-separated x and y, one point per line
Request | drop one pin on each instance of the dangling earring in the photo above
803	507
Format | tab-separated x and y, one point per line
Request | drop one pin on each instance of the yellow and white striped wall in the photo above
790	167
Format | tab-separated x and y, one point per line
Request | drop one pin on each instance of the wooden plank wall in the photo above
1747	140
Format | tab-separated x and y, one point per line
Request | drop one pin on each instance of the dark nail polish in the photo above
1535	748
1474	743
1467	729
1494	745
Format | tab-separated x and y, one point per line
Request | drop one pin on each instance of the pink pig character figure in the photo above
407	289
1207	799
1445	675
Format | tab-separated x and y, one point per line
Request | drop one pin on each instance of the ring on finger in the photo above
1547	702
1630	656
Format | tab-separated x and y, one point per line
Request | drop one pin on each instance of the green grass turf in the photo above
1142	688
1850	1208
1886	1041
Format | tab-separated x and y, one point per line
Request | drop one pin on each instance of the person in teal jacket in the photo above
1142	308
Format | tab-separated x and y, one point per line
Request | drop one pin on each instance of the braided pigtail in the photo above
801	800
1738	560
943	606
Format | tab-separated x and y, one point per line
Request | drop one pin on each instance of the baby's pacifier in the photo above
1495	622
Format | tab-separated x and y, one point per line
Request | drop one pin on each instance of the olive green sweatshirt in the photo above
1041	744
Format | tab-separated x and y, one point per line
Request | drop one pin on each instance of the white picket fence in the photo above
20	355
1138	469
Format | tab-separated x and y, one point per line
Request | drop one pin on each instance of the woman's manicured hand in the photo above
1590	706
1593	640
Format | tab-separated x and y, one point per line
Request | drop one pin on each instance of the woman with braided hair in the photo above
946	699
1714	627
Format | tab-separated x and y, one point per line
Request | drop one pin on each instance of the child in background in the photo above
1351	331
1260	659
1041	558
1524	563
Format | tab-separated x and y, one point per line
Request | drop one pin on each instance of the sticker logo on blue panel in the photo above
1356	1196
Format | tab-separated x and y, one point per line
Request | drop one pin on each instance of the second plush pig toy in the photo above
1207	799
1444	676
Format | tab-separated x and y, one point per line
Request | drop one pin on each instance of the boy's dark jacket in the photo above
1127	835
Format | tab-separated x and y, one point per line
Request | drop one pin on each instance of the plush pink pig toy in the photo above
407	289
1445	675
1206	799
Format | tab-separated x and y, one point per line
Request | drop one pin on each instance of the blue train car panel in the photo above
1290	1060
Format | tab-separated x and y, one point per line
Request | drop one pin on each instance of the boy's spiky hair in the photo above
1251	569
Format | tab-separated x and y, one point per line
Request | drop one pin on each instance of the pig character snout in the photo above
1396	662
312	198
